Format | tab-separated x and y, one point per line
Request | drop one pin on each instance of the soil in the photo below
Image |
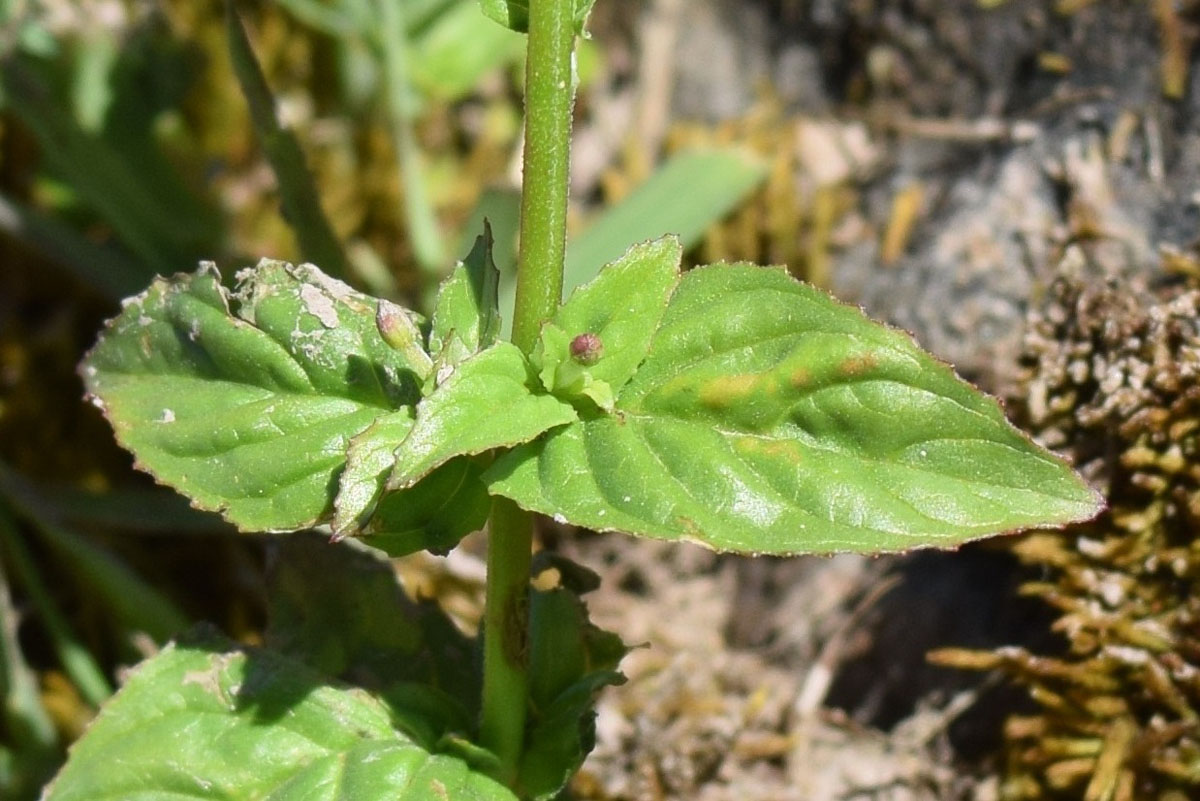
1002	139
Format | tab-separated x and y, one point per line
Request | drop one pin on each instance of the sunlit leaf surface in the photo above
768	417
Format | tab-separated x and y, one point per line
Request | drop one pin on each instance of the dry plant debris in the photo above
703	720
1110	378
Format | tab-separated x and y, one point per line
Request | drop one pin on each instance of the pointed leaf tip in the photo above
597	339
466	316
768	417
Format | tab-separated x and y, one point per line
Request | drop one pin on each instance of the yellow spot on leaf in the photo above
784	449
728	390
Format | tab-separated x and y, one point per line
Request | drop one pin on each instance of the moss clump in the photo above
1111	376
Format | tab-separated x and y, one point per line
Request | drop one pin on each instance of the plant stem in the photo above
506	635
549	91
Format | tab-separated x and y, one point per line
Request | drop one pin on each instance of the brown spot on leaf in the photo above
858	364
690	529
209	679
319	305
800	378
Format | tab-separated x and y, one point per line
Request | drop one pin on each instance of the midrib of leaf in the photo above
320	750
340	774
684	486
630	402
283	723
851	533
190	426
814	443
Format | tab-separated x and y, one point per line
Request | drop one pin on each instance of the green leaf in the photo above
339	608
515	13
248	412
570	660
369	460
433	515
204	719
768	417
619	311
466	319
486	403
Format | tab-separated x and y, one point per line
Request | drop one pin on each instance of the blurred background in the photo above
969	171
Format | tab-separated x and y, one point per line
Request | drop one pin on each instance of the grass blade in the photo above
332	20
421	221
29	731
159	233
140	511
136	604
684	197
297	190
76	662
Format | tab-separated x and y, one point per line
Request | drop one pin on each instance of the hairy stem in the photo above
548	99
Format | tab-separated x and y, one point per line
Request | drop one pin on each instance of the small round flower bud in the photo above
395	325
399	330
586	349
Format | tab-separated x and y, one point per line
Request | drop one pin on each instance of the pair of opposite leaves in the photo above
730	405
